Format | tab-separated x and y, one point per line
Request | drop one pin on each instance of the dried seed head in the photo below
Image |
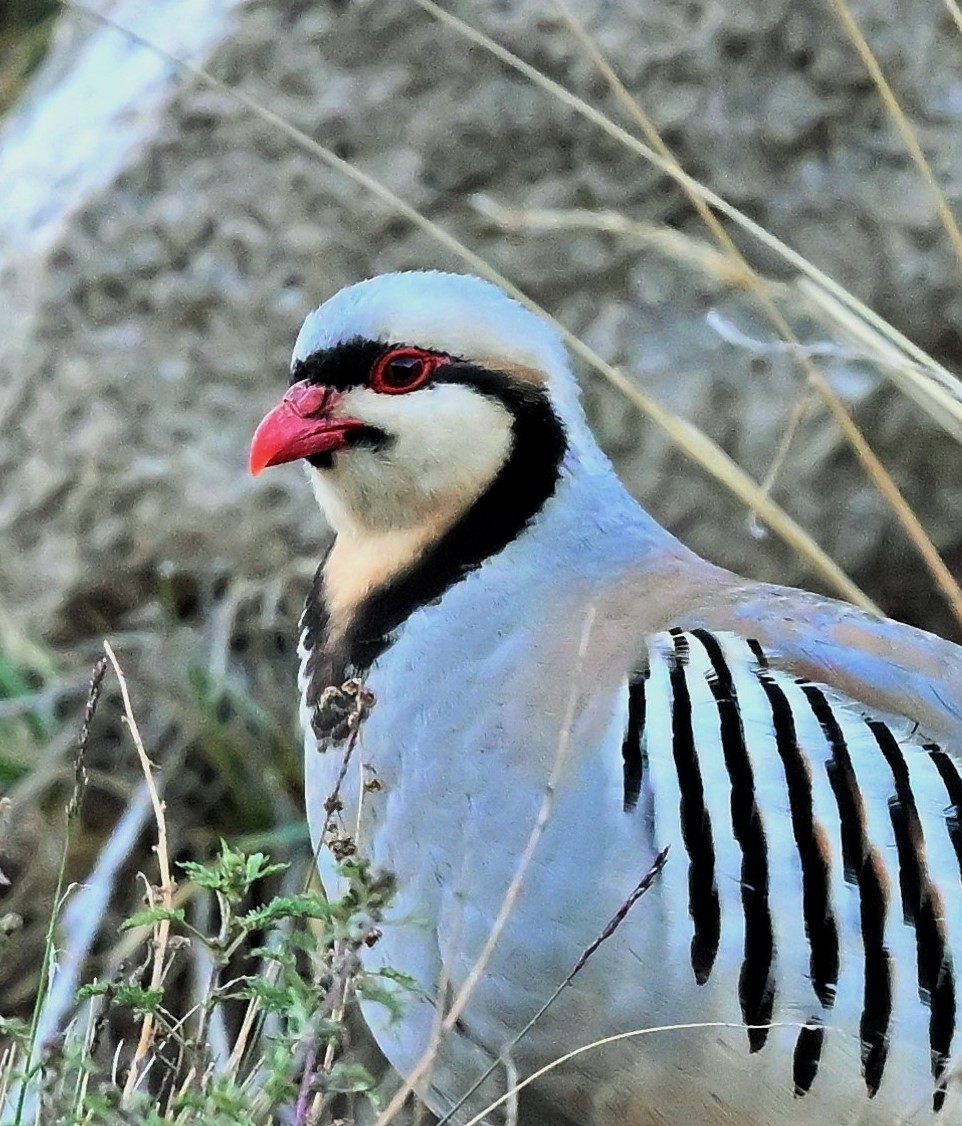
342	847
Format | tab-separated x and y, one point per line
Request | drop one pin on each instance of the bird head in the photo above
411	393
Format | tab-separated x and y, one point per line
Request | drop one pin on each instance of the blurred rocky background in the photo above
159	245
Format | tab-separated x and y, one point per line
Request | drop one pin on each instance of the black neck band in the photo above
523	484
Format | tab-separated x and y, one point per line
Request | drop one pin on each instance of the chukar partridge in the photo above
521	620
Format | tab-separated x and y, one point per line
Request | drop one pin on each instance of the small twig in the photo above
361	700
618	1037
686	437
211	1027
845	17
606	932
869	460
802	406
166	885
304	1100
619	916
269	972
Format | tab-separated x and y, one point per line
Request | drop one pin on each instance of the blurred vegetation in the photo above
215	984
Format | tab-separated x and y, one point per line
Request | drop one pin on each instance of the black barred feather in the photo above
821	743
756	987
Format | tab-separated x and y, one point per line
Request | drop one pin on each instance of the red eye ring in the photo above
404	369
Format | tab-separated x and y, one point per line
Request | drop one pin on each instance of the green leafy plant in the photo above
266	1029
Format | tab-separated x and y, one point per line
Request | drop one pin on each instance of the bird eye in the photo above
403	369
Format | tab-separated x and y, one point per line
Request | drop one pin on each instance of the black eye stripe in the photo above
350	364
344	366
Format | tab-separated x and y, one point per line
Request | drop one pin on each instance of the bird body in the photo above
559	679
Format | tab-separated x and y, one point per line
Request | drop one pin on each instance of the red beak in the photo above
300	425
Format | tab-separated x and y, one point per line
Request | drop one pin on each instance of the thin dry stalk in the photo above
364	700
901	122
917	375
303	1106
617	1038
741	272
361	700
876	471
83	1085
25	1095
443	988
931	387
247	1024
802	406
80	759
205	972
84	913
269	972
513	890
606	932
8	1067
166	889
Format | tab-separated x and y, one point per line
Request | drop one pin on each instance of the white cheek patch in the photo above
445	445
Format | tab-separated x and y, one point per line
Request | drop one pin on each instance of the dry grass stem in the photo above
742	273
166	889
606	932
53	996
670	243
511	1085
670	168
7	1070
84	913
618	1038
619	916
930	386
916	374
876	471
697	190
80	759
803	404
844	14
